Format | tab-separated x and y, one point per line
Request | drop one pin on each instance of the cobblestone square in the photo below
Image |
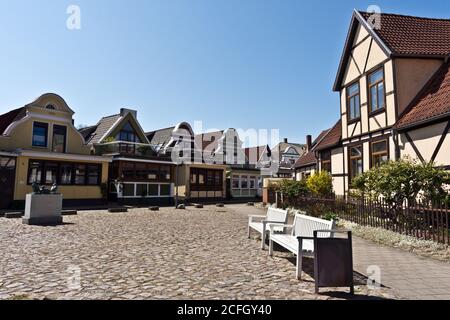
142	254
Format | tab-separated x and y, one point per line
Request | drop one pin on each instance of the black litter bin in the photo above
333	259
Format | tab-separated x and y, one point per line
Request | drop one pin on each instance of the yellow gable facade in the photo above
46	148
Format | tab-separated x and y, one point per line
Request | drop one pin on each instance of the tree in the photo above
320	184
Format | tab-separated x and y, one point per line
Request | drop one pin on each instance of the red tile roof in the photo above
332	138
408	35
399	36
431	103
9	117
306	160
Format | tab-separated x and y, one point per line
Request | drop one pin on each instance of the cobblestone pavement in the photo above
170	254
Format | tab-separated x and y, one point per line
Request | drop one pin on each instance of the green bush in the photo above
330	216
397	181
291	188
320	184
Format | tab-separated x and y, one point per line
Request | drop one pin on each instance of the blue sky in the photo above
263	64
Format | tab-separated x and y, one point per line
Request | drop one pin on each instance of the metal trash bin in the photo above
333	259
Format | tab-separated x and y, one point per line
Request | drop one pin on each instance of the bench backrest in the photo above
305	226
277	215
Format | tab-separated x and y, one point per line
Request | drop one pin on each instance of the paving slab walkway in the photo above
409	275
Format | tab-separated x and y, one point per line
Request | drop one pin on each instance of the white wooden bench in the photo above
300	240
260	223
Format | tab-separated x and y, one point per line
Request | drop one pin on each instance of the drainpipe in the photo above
176	185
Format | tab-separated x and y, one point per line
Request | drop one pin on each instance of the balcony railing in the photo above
124	148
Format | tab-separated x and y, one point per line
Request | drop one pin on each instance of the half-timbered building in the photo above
393	86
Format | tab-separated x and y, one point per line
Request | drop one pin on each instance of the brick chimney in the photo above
308	143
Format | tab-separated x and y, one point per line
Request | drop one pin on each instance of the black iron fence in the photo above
421	220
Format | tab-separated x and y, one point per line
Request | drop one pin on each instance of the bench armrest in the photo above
305	238
300	238
273	225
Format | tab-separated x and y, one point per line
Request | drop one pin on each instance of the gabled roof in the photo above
432	103
283	146
107	125
160	137
309	158
332	137
306	160
8	118
399	36
417	36
94	134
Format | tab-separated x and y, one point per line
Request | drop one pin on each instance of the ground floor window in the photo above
325	158
206	179
140	171
379	151
144	190
63	173
244	182
356	161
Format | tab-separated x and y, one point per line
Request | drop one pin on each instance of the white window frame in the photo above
159	184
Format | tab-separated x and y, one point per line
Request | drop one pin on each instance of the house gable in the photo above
49	109
362	35
126	122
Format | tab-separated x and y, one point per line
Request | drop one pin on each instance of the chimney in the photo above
124	112
308	143
285	140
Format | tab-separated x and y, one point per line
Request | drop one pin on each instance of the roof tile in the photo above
431	103
11	116
408	35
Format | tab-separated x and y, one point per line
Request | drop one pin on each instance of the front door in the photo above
7	178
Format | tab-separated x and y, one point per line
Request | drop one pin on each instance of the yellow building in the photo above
39	143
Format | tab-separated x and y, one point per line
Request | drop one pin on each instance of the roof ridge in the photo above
113	115
407	16
152	131
88	127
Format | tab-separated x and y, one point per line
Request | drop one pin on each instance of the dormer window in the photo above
353	102
128	134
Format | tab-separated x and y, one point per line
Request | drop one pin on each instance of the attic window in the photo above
50	107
